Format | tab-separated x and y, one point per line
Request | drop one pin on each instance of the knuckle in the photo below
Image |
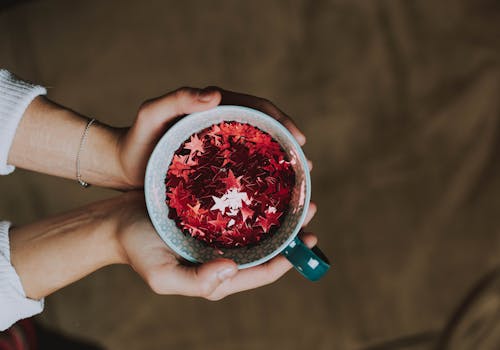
272	275
145	109
184	93
215	297
271	278
205	290
155	282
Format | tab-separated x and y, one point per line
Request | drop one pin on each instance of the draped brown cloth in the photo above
400	101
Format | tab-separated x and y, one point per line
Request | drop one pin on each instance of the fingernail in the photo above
206	95
226	273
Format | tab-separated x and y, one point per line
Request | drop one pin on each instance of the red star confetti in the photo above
194	145
229	185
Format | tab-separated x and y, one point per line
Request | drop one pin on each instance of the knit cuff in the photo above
15	96
14	305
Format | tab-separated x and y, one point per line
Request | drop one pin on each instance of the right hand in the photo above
167	273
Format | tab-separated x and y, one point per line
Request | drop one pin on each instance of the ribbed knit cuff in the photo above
14	305
15	96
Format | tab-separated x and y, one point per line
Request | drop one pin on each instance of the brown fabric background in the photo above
400	103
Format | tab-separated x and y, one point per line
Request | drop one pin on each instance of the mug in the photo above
311	263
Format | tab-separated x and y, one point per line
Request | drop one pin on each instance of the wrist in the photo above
127	220
101	223
48	140
100	162
127	172
111	215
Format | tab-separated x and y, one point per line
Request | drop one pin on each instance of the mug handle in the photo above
311	263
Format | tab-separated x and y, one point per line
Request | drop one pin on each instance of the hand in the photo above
157	115
166	273
265	106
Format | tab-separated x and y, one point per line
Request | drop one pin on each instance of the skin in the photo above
118	230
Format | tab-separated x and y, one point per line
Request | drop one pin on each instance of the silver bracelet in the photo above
82	143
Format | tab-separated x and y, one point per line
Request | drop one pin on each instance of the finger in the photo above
310	165
263	105
313	208
199	280
259	275
156	113
309	239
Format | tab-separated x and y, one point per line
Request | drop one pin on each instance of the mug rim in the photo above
282	129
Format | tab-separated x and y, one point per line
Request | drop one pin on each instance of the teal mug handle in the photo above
311	263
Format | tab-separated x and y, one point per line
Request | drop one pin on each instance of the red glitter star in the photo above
197	210
220	223
194	145
246	212
231	181
269	220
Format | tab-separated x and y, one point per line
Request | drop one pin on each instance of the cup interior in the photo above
195	250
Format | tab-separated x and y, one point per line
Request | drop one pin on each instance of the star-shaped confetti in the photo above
232	181
194	145
220	204
229	185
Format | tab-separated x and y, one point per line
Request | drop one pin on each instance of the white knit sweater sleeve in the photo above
13	302
15	96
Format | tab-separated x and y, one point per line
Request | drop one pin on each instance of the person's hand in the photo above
156	115
166	273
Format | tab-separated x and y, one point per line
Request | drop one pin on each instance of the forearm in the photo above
58	251
48	138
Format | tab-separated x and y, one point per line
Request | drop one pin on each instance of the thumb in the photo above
199	281
155	114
